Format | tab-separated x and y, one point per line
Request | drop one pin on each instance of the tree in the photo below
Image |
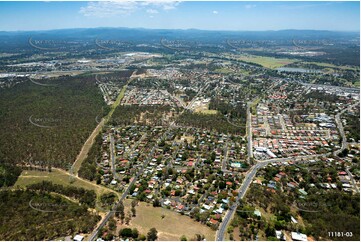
107	198
230	229
112	224
128	218
135	233
126	233
152	234
270	231
134	203
199	237
156	203
109	236
183	238
141	237
119	211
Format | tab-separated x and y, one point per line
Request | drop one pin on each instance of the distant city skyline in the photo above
163	14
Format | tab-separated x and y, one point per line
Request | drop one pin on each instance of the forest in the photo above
145	115
321	212
352	126
48	123
238	111
30	215
9	173
88	169
85	197
213	122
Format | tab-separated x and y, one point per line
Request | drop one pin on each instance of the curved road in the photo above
253	171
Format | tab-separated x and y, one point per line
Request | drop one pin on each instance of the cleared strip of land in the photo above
86	147
90	141
60	177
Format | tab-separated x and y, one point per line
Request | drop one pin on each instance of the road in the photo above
245	185
90	141
125	193
225	157
249	133
175	98
354	185
112	156
246	182
350	89
189	106
135	146
241	193
253	171
344	143
340	128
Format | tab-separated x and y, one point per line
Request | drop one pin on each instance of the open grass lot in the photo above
171	227
322	64
206	111
223	71
60	177
268	62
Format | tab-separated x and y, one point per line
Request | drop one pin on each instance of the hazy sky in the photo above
344	16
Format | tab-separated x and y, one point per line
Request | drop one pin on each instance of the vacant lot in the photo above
171	227
206	111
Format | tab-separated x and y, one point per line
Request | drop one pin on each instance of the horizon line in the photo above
185	29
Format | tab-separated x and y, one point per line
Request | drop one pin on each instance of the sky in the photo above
165	14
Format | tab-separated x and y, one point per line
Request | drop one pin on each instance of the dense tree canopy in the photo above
48	124
29	215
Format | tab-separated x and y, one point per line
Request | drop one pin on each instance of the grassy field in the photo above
223	70
321	64
208	111
171	227
268	62
60	177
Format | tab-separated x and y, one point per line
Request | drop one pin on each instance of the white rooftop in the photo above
78	237
298	236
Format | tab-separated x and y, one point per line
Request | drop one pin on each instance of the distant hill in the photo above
137	34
